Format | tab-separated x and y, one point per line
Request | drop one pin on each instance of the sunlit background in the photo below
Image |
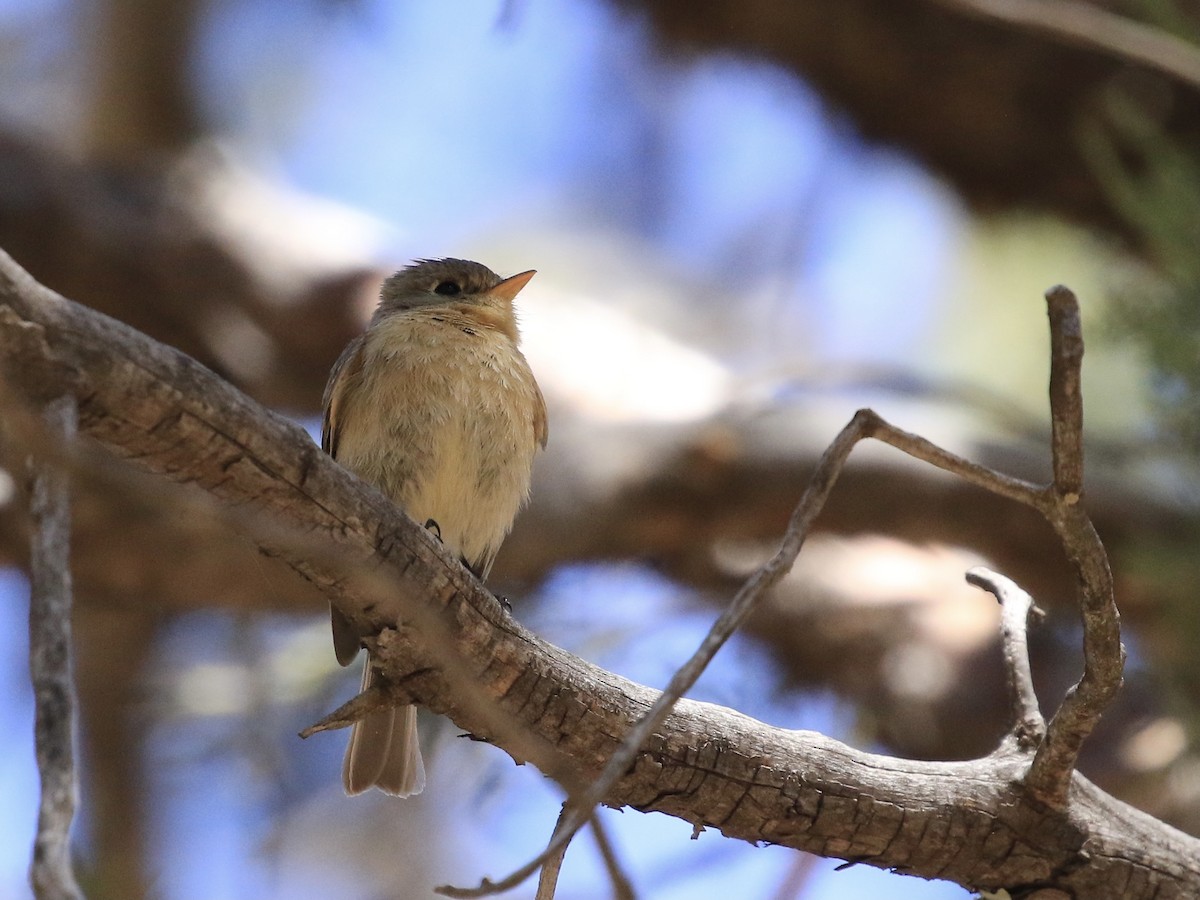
724	264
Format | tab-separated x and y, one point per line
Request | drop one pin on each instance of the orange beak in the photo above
510	287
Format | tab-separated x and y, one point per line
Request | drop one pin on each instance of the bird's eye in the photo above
448	288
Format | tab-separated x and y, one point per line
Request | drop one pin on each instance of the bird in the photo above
436	406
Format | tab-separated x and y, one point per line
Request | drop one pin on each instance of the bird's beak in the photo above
510	287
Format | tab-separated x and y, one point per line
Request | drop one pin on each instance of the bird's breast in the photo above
443	421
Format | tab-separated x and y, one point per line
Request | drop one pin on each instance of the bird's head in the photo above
449	282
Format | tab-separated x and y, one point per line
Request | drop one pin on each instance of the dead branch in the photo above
622	887
50	667
971	822
1029	728
548	880
1103	656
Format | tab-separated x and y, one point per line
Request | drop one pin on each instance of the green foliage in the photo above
1154	183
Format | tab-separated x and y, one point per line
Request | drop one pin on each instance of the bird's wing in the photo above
347	369
541	427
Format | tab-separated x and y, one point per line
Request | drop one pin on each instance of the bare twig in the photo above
798	877
621	885
1094	28
50	872
548	880
353	710
1103	656
914	445
1016	607
1066	393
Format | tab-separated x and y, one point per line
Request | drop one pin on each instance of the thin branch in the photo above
1049	776
621	885
1016	607
548	880
1066	393
353	710
914	445
50	670
1090	26
798	877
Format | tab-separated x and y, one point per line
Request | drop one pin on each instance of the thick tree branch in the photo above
969	822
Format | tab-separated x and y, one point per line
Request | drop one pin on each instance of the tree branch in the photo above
1066	392
50	668
622	887
970	822
548	880
1016	606
1103	655
1095	28
1055	760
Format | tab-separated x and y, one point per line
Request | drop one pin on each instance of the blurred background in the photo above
749	219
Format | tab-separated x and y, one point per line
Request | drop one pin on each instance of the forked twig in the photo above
1049	776
622	889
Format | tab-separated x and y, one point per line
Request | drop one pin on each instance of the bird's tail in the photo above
384	751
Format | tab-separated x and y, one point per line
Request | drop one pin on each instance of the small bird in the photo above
436	406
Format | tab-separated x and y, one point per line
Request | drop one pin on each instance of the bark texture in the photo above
457	652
